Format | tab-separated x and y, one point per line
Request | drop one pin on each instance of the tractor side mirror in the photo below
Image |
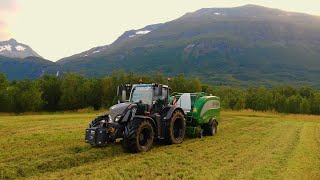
160	90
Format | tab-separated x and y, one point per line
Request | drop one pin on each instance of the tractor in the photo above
146	112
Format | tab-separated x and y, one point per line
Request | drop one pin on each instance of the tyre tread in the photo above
129	137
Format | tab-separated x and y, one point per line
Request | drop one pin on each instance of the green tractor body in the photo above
146	112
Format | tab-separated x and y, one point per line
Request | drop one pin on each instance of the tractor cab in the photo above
153	96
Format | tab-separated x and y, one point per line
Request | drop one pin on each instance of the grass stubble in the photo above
249	145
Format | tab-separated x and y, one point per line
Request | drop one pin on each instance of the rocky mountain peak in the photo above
13	49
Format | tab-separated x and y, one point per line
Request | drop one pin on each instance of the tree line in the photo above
72	92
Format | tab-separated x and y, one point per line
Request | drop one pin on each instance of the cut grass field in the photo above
249	145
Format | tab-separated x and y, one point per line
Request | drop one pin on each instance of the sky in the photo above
61	28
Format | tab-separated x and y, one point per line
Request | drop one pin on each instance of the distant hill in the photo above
27	68
242	46
14	49
18	61
248	45
125	37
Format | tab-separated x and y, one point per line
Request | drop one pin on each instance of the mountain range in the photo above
242	46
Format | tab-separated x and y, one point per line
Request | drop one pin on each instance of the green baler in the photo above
202	112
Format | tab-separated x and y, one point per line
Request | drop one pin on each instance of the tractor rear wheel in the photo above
138	136
176	129
211	129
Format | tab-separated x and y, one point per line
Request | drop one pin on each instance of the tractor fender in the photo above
126	116
172	110
129	113
153	123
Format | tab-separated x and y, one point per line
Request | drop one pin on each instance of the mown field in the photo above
249	145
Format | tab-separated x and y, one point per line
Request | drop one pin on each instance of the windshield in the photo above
143	94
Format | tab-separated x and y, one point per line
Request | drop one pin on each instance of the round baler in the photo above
202	112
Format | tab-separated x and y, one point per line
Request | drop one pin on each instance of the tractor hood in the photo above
118	109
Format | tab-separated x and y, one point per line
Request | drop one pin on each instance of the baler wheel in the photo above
211	129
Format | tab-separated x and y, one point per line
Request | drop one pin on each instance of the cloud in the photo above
7	9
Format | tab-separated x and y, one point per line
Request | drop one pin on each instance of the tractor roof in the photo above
144	85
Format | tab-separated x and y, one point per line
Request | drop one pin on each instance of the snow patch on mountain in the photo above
5	48
139	32
20	48
90	52
143	32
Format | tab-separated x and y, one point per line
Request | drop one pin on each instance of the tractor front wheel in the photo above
138	136
176	128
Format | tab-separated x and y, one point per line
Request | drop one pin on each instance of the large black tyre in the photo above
176	128
211	128
138	136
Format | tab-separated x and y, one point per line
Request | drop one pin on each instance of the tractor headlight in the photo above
110	118
117	118
102	122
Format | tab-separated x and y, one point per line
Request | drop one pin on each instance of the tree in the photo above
259	99
159	78
27	96
132	78
231	98
225	103
315	103
179	84
280	103
194	85
304	106
5	102
293	103
286	91
92	92
51	88
241	103
108	91
306	92
72	94
206	88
